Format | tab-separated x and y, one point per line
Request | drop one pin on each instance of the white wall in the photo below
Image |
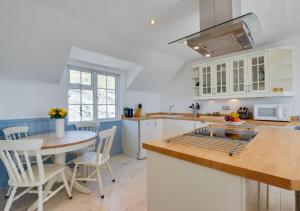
22	99
150	101
180	91
28	99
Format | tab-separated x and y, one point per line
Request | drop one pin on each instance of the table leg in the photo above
61	159
297	200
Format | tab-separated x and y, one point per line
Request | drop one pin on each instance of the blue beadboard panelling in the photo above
45	125
117	144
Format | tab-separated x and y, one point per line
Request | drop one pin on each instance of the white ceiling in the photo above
36	36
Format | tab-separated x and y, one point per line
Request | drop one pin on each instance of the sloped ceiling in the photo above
36	36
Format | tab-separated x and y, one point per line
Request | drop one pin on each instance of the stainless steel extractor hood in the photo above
221	33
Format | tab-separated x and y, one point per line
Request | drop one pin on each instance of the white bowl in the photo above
234	123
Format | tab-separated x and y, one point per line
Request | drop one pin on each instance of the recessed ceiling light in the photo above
196	47
185	42
207	55
152	21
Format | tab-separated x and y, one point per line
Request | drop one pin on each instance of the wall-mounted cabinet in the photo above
266	73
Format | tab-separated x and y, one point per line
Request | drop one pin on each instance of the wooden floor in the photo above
129	193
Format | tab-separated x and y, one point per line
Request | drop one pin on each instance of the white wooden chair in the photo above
85	126
97	159
29	176
15	133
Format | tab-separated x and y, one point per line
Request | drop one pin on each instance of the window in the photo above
106	86
92	96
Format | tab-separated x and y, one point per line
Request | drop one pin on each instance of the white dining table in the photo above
72	141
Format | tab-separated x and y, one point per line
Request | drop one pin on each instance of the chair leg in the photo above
10	199
110	172
8	192
73	177
40	198
100	182
258	196
84	168
66	185
268	195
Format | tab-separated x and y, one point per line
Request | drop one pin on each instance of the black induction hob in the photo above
224	133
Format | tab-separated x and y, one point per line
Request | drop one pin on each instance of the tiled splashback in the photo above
44	125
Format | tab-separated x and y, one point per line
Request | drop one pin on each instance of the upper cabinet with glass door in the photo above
258	73
239	76
196	81
206	79
221	83
266	73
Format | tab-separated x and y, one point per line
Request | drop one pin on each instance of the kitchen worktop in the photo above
184	116
272	157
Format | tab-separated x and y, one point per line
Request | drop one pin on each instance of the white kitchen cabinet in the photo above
166	125
150	130
135	133
266	73
258	73
239	77
196	81
131	138
191	187
214	79
181	126
206	78
221	78
199	124
173	127
281	64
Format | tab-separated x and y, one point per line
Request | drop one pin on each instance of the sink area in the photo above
168	115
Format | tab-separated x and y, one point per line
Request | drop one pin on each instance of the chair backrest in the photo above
87	126
106	140
14	133
13	152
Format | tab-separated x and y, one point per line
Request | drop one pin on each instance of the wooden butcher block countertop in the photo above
184	116
272	157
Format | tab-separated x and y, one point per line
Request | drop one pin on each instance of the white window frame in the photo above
94	88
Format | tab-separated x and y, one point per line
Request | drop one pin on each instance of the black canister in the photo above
128	112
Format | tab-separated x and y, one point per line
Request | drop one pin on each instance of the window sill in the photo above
110	120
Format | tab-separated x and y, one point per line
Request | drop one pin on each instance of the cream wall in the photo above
180	92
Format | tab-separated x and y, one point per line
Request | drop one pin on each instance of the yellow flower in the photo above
57	113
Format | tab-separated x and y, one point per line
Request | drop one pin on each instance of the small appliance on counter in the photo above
272	112
128	112
244	113
196	108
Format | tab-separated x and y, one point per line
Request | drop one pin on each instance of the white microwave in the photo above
272	112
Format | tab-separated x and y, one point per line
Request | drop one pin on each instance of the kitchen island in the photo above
203	179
